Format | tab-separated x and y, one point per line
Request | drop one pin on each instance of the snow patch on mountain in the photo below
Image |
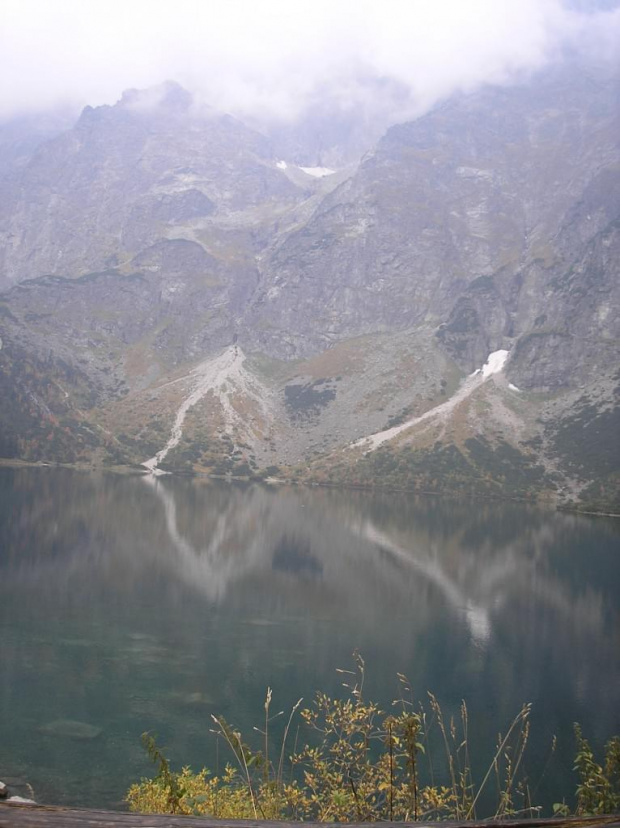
317	172
494	365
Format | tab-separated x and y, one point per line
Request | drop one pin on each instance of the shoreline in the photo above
140	470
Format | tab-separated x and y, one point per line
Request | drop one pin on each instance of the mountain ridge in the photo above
358	300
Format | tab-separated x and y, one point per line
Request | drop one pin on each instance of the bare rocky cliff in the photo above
128	176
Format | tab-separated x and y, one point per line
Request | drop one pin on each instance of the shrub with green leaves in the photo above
598	791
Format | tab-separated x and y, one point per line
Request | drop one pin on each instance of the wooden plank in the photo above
43	816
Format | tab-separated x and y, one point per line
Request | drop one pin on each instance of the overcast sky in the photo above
270	55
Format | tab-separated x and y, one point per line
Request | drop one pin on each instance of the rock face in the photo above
124	177
150	237
461	217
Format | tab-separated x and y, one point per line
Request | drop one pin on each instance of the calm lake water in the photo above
129	604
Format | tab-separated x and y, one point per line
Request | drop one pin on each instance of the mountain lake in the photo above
135	603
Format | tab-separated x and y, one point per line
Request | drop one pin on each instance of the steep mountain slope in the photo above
179	293
454	218
127	176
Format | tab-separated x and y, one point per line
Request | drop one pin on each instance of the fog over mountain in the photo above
373	245
276	59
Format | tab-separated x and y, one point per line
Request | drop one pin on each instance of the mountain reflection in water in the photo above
135	603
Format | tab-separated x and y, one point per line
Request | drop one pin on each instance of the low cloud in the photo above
273	58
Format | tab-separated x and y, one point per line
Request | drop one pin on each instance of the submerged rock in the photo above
193	698
71	729
15	786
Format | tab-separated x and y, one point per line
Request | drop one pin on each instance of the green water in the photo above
128	605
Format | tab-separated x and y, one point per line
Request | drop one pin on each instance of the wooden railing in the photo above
44	816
